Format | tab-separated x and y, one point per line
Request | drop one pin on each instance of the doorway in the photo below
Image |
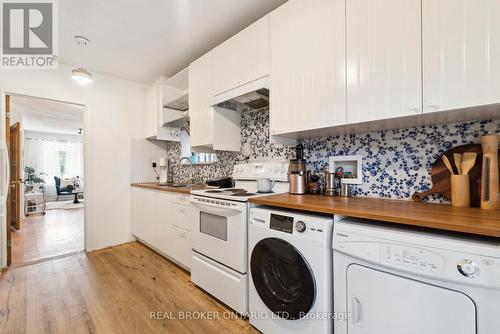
45	212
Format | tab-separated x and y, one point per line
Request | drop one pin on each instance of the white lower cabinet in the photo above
164	221
144	224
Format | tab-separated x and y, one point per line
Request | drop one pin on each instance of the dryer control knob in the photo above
468	268
300	226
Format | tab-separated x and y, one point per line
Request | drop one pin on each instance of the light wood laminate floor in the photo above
108	291
55	233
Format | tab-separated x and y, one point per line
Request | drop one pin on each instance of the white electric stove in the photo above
220	241
245	177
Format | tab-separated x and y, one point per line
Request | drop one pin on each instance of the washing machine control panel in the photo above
300	226
468	268
462	261
413	258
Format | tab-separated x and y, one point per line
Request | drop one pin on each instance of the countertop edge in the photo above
155	186
469	221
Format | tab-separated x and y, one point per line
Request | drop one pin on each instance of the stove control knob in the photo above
468	268
300	226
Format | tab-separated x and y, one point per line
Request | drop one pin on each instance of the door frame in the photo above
17	177
87	176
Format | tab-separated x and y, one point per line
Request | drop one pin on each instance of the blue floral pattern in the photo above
396	163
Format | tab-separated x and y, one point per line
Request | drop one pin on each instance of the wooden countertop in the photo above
156	186
436	216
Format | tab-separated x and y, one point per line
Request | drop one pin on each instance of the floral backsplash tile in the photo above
396	163
254	130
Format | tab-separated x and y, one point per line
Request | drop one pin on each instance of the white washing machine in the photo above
290	289
396	280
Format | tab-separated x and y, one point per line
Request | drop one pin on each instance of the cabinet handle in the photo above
357	311
259	220
414	110
433	106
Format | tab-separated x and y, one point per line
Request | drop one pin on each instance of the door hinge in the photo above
7	115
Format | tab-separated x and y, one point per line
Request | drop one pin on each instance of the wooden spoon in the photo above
458	160
448	164
468	161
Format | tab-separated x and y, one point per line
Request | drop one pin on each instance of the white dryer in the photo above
290	290
396	280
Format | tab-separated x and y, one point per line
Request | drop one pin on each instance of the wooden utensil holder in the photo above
460	191
490	178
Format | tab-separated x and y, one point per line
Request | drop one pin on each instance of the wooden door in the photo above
461	53
307	65
15	175
7	140
383	41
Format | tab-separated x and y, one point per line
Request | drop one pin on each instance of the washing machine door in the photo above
283	279
381	302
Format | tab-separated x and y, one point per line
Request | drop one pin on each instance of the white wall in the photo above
143	151
112	118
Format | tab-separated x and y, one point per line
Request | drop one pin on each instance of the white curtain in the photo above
54	158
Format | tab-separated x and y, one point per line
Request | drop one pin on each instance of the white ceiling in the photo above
47	116
143	40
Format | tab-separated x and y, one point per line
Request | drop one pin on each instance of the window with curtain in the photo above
54	158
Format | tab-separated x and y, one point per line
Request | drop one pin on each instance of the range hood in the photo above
180	103
175	119
253	95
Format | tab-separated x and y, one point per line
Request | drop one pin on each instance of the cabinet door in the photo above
461	53
137	212
153	116
149	221
383	41
200	101
307	65
165	216
242	58
151	106
182	226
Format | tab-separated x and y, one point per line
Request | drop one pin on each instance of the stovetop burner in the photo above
243	194
235	190
213	191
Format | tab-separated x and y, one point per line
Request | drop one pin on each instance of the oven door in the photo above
221	231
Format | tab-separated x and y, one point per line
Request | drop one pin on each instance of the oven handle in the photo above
214	208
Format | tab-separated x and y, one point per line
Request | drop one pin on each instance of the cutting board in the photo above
441	181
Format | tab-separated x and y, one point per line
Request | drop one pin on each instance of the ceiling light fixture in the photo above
80	74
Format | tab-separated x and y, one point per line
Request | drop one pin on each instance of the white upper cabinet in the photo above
242	58
461	53
150	117
307	65
383	41
211	128
153	116
200	101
